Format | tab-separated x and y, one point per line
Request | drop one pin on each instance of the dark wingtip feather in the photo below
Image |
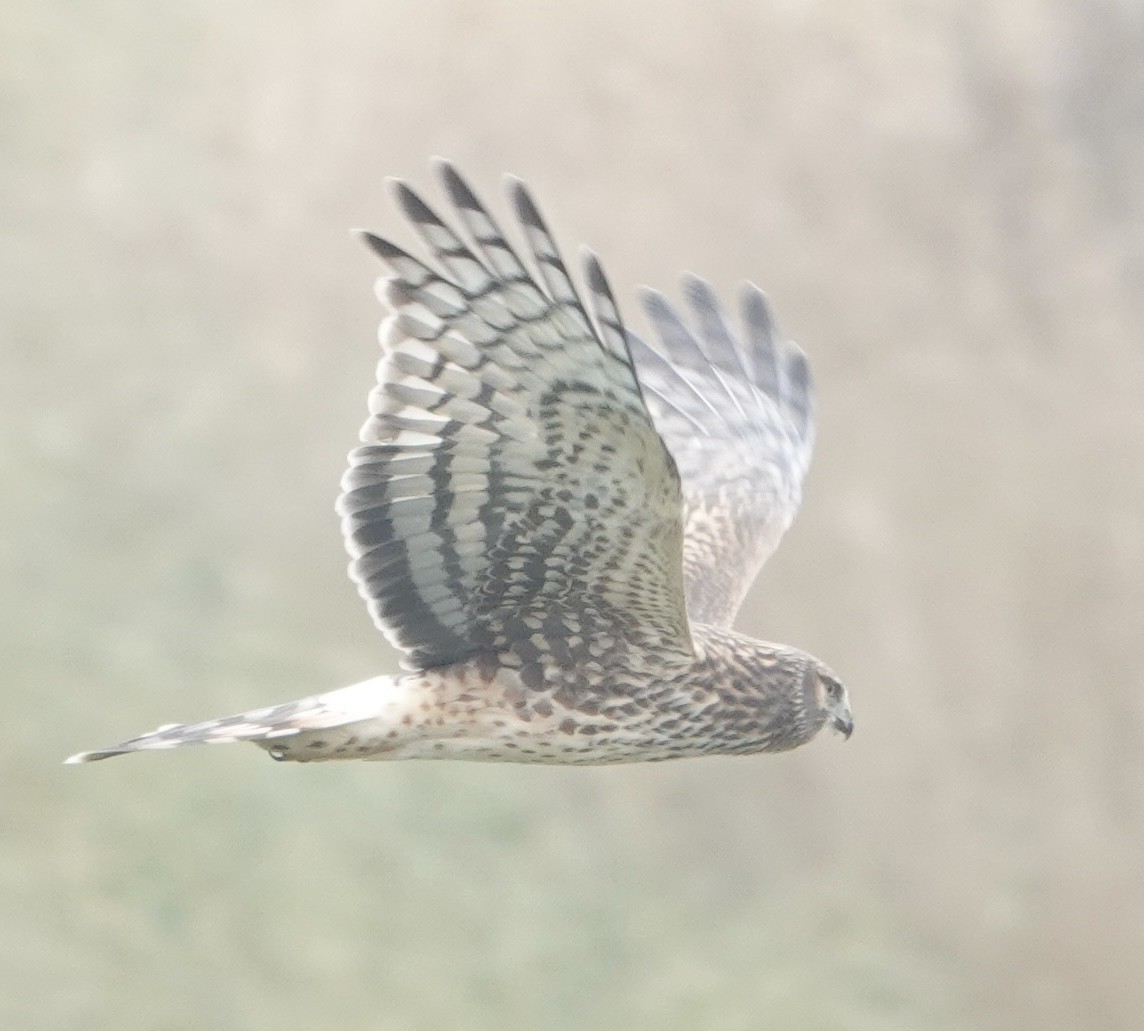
696	288
460	193
594	272
799	392
525	206
442	165
654	303
604	305
609	322
757	313
410	202
381	247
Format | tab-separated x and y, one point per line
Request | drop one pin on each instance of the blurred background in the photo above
944	201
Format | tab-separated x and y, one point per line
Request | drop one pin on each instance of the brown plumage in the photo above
556	522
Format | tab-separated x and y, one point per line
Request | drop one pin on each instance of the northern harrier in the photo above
556	522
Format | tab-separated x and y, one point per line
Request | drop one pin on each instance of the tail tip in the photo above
91	757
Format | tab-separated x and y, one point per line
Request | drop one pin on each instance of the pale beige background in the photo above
944	200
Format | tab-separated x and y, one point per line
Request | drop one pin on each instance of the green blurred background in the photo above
944	201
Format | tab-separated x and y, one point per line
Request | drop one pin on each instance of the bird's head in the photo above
831	699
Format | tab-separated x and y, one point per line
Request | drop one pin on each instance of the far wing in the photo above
736	410
512	496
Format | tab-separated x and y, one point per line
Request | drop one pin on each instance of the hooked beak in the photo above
844	725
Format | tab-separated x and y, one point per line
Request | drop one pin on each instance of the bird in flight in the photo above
555	521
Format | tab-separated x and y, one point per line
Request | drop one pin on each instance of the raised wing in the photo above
511	495
736	411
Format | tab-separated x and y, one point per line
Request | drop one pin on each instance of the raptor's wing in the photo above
736	409
511	495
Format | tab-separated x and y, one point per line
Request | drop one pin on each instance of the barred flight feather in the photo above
746	398
524	420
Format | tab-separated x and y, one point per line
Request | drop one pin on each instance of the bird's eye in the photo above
833	688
